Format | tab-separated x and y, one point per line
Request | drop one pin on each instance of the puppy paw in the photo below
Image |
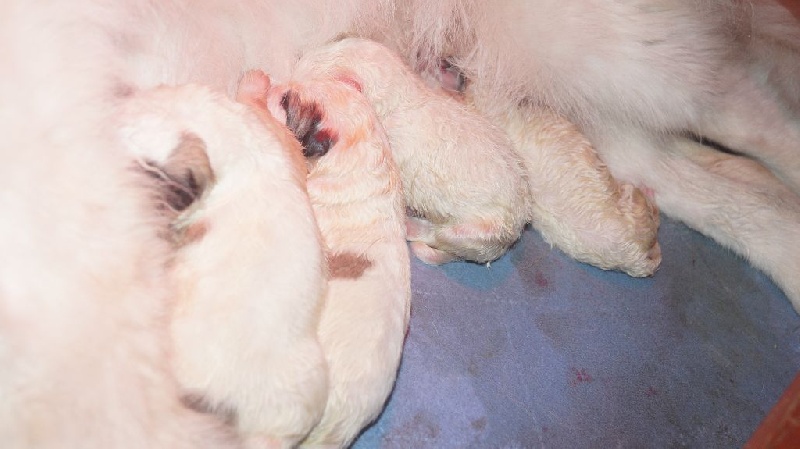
482	241
253	88
643	253
430	256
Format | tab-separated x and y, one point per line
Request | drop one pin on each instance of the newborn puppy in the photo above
249	264
577	205
462	180
356	194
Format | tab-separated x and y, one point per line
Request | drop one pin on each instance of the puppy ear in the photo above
185	175
304	119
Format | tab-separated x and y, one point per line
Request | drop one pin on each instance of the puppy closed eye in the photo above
305	121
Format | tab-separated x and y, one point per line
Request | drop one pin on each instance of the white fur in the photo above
83	292
637	77
250	282
83	297
356	193
577	205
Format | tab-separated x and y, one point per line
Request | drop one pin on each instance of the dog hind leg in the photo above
250	279
732	199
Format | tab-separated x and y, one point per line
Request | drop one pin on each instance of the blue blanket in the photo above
538	350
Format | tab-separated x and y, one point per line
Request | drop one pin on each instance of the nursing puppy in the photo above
248	267
356	194
461	177
576	204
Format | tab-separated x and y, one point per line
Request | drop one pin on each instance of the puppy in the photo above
356	194
249	261
576	204
463	182
639	80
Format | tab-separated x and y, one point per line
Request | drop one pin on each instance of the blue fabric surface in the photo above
541	351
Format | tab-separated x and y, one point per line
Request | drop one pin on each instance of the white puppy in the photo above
461	176
577	205
249	269
638	78
356	193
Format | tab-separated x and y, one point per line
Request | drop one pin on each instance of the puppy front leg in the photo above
250	268
577	205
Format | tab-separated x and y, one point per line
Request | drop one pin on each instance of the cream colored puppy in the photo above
249	266
463	181
356	193
577	205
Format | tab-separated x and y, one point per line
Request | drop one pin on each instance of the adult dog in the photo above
82	295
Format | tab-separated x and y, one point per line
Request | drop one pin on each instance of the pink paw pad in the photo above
430	256
254	87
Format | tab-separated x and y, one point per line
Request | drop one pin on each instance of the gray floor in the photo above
541	351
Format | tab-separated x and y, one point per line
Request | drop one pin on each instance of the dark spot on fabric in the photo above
579	376
347	265
479	424
304	119
421	425
199	403
541	280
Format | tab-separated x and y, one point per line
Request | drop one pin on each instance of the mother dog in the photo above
82	294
